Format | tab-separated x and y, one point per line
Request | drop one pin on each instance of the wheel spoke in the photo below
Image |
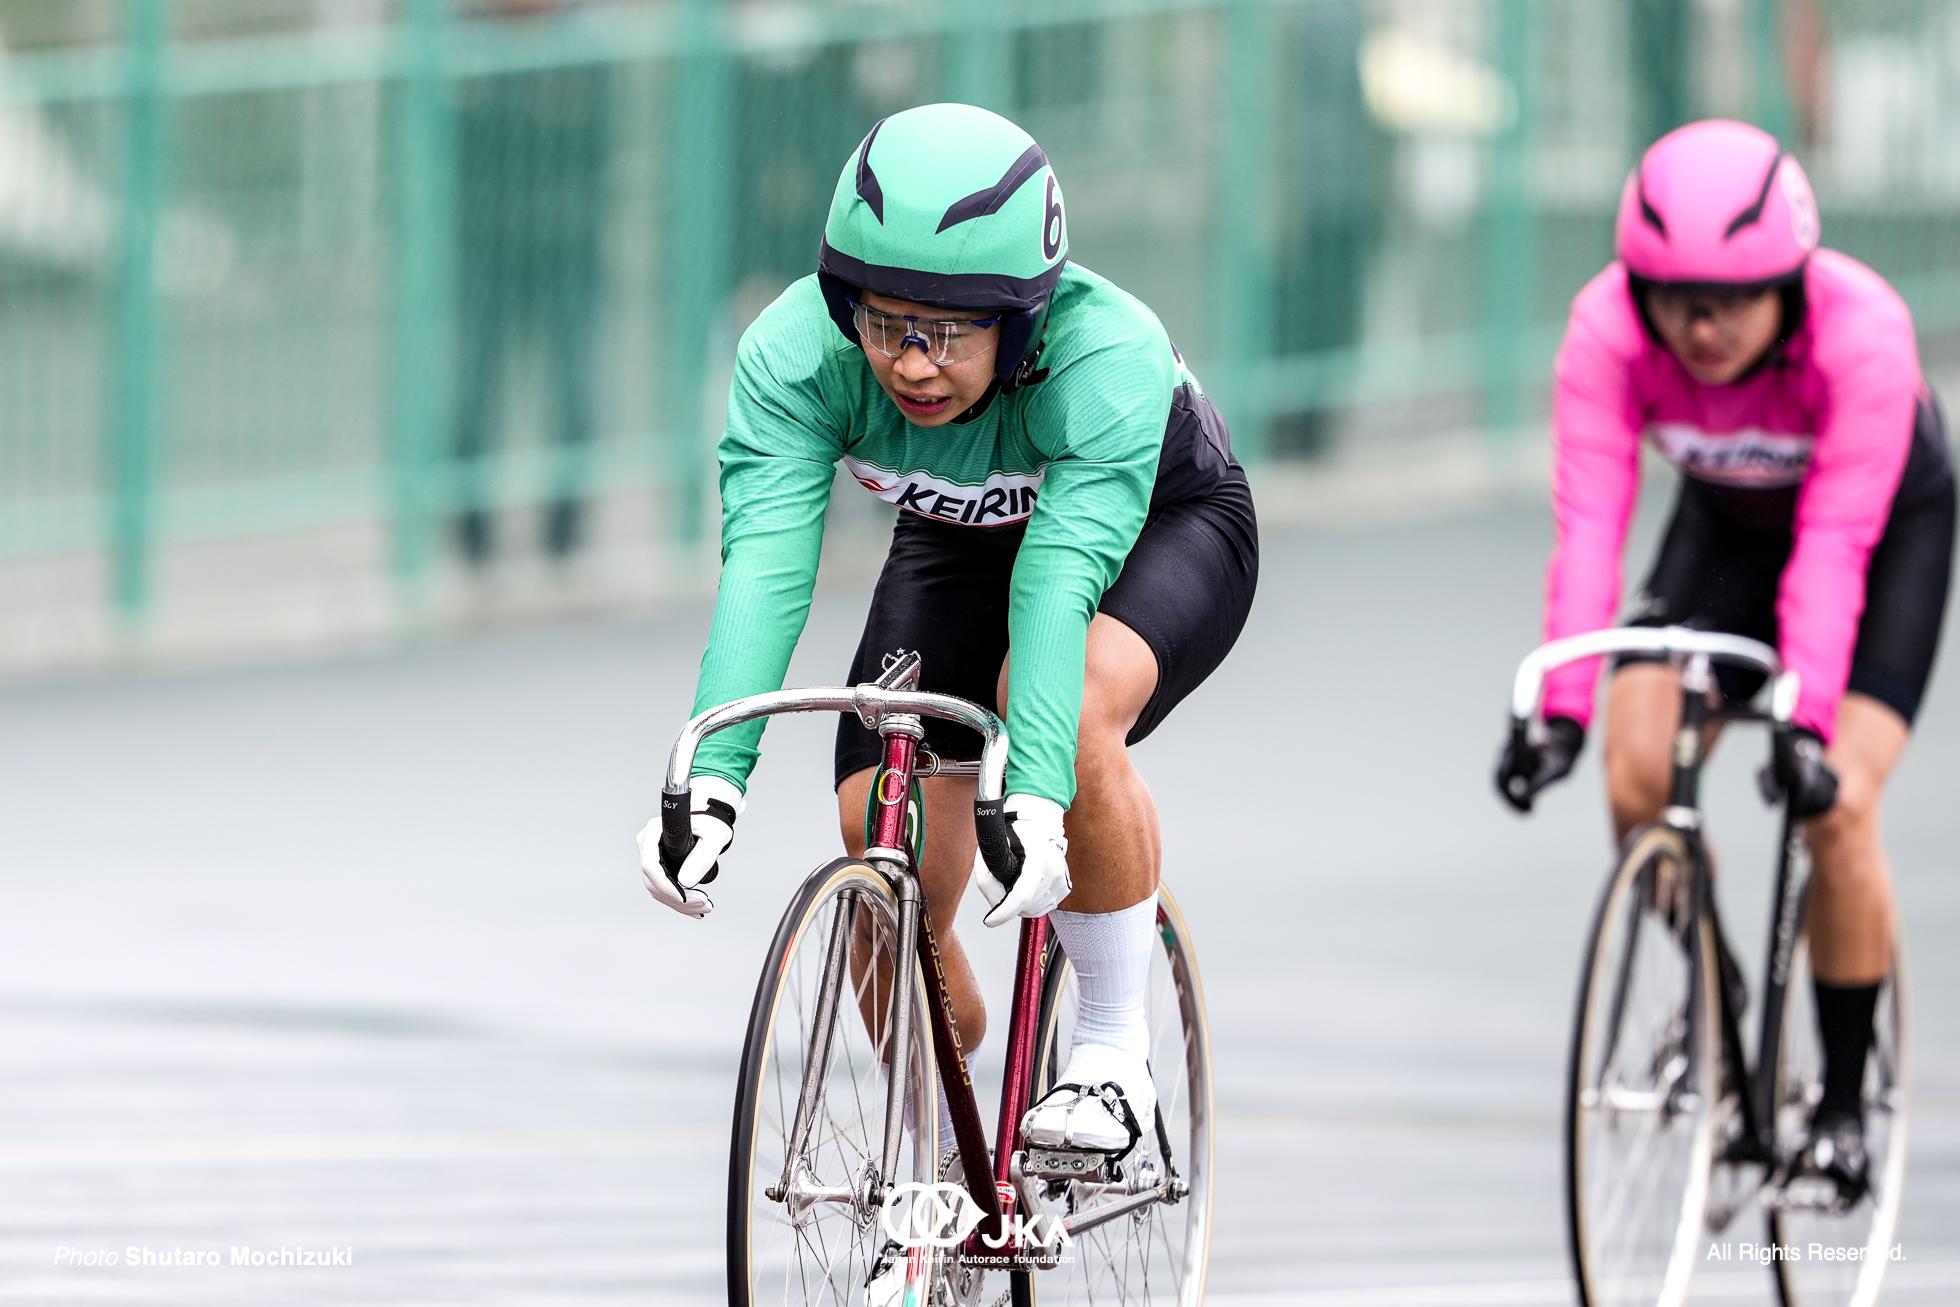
1871	1225
1642	1110
1155	1255
821	1253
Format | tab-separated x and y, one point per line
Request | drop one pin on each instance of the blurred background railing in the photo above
448	282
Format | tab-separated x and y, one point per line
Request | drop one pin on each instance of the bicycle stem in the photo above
1684	785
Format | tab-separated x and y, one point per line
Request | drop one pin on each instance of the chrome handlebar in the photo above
1668	640
872	703
869	702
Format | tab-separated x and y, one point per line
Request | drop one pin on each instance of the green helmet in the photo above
951	206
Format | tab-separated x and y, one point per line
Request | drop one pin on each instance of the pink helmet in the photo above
1716	203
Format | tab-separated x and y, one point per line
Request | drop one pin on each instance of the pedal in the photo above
1065	1164
1810	1193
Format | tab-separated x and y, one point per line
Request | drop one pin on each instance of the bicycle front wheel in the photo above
802	1228
1158	1253
1641	1106
1839	1258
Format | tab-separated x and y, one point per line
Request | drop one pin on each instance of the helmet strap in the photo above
1791	301
1022	336
979	406
837	299
1025	372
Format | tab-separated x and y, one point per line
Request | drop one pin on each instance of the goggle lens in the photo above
944	340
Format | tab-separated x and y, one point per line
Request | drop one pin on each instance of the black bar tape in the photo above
990	827
676	832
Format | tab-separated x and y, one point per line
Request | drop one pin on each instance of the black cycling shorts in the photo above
1186	588
1724	552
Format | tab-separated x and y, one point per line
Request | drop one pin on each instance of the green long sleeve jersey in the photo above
1074	456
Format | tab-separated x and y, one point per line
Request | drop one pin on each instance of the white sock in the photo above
1110	952
946	1141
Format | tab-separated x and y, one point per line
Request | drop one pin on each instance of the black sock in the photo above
1844	1018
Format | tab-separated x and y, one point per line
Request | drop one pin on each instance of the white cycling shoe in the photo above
886	1287
1104	1101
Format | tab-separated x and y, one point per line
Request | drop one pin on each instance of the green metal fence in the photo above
271	267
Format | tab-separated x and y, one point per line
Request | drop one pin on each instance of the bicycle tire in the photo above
1642	1079
1161	1255
821	1256
1870	1227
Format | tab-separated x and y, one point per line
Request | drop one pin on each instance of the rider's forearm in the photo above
1088	522
1595	481
1044	690
1052	601
1842	510
763	601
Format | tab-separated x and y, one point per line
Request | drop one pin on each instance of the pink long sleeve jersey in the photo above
1833	417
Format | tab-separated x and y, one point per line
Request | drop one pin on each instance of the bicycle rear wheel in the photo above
1159	1253
1855	1244
1641	1107
814	1241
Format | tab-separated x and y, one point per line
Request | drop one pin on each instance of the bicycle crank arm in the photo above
1083	1222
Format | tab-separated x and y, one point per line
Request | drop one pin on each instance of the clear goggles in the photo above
1721	305
944	340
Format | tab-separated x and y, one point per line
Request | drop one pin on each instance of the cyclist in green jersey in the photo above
1066	492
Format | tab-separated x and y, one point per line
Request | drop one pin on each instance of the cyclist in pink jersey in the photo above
1816	513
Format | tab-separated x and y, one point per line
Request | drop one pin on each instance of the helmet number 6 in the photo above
1051	222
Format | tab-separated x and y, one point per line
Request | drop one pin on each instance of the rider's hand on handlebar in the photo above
1034	831
1797	768
713	805
1528	765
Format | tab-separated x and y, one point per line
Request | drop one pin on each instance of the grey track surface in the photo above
355	954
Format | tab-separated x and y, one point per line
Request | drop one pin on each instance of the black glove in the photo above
1527	766
1797	770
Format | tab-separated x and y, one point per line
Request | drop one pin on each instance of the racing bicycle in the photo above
1670	1132
834	1168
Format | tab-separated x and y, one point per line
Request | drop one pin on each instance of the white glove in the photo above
1035	824
714	831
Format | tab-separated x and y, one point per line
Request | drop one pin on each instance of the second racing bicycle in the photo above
1672	1131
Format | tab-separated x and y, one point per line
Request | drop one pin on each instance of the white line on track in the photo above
1536	1293
371	1146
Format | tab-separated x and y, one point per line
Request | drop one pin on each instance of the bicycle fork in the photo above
823	1027
1791	899
868	1190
